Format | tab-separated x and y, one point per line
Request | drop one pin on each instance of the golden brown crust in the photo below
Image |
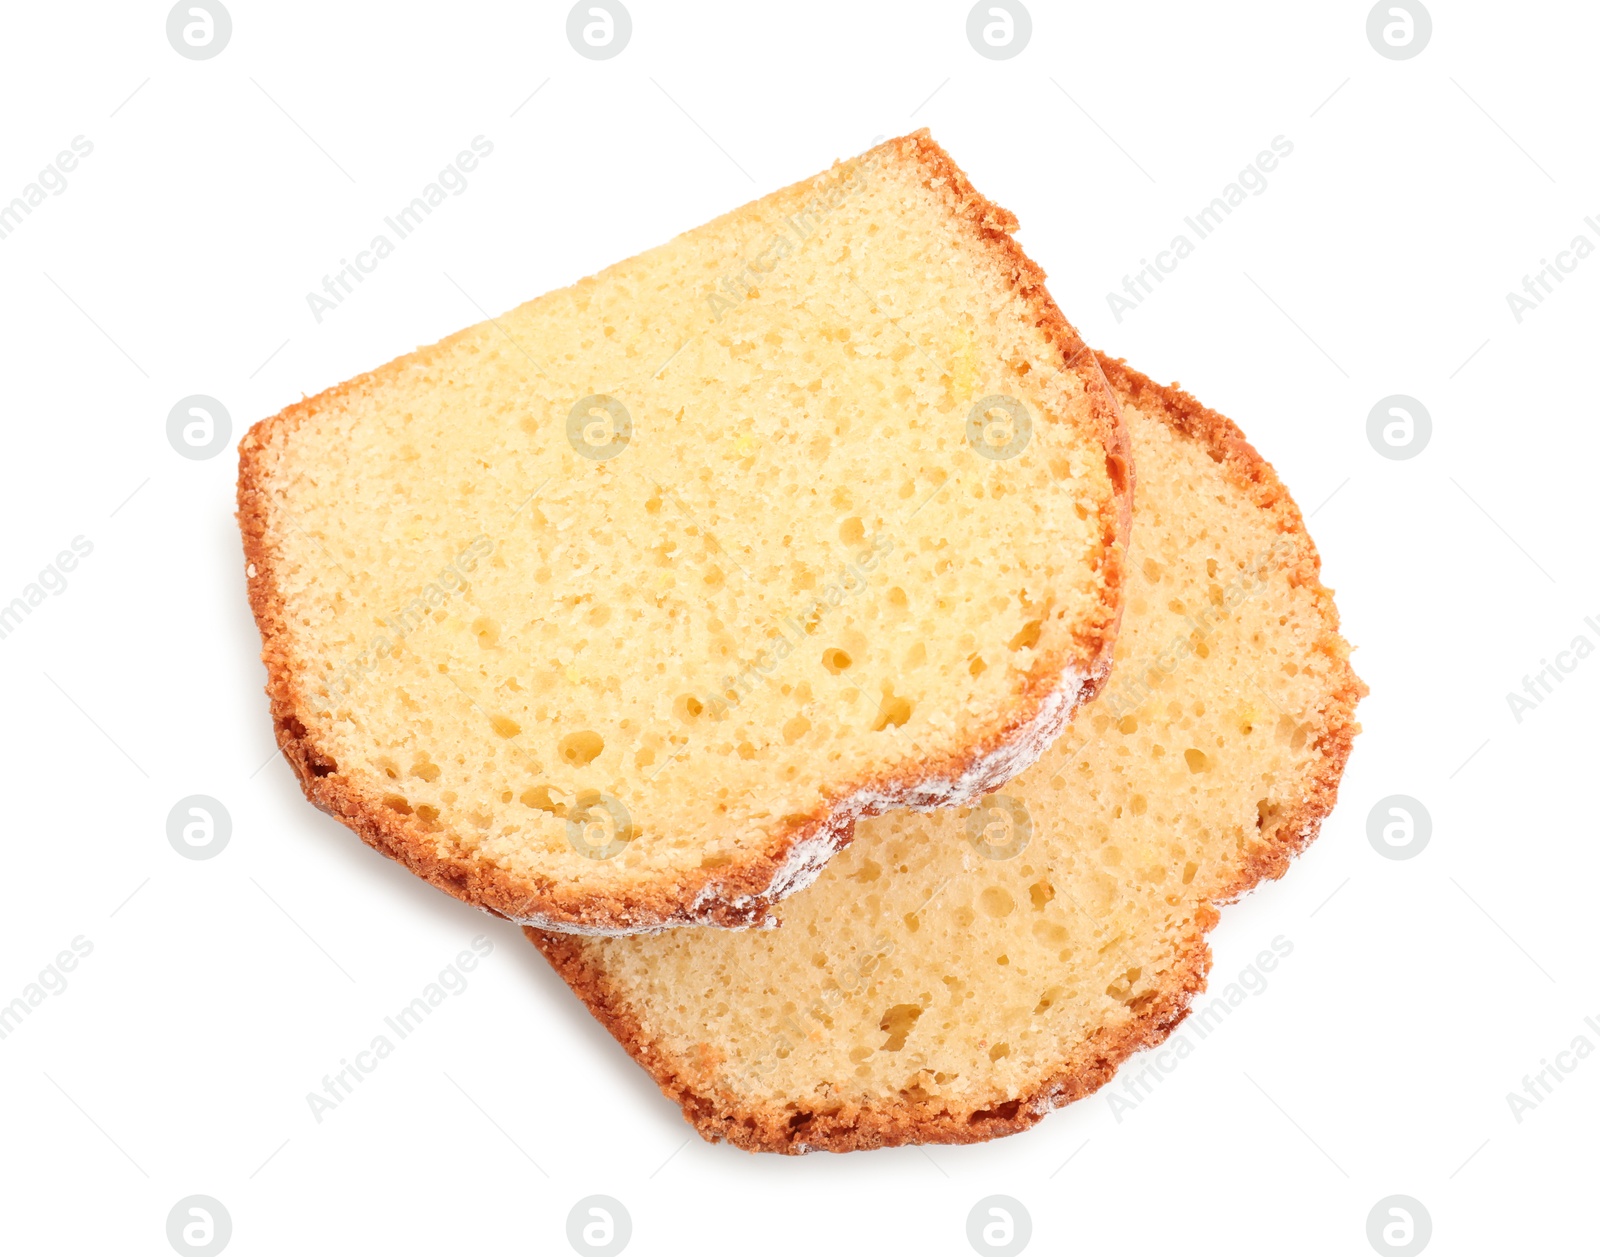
1093	1063
735	895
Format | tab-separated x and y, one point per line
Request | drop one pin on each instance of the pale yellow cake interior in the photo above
796	575
920	969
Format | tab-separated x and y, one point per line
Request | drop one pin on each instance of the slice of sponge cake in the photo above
954	977
616	611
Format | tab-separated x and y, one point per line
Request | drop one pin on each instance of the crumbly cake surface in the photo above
954	977
615	612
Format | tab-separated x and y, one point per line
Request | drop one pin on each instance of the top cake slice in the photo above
616	612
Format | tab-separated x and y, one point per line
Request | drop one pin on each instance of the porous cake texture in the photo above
955	976
615	612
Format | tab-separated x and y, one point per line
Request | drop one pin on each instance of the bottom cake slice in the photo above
952	977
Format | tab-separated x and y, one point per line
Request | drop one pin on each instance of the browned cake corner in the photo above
505	732
774	1041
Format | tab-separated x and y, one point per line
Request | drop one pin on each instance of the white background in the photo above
177	261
